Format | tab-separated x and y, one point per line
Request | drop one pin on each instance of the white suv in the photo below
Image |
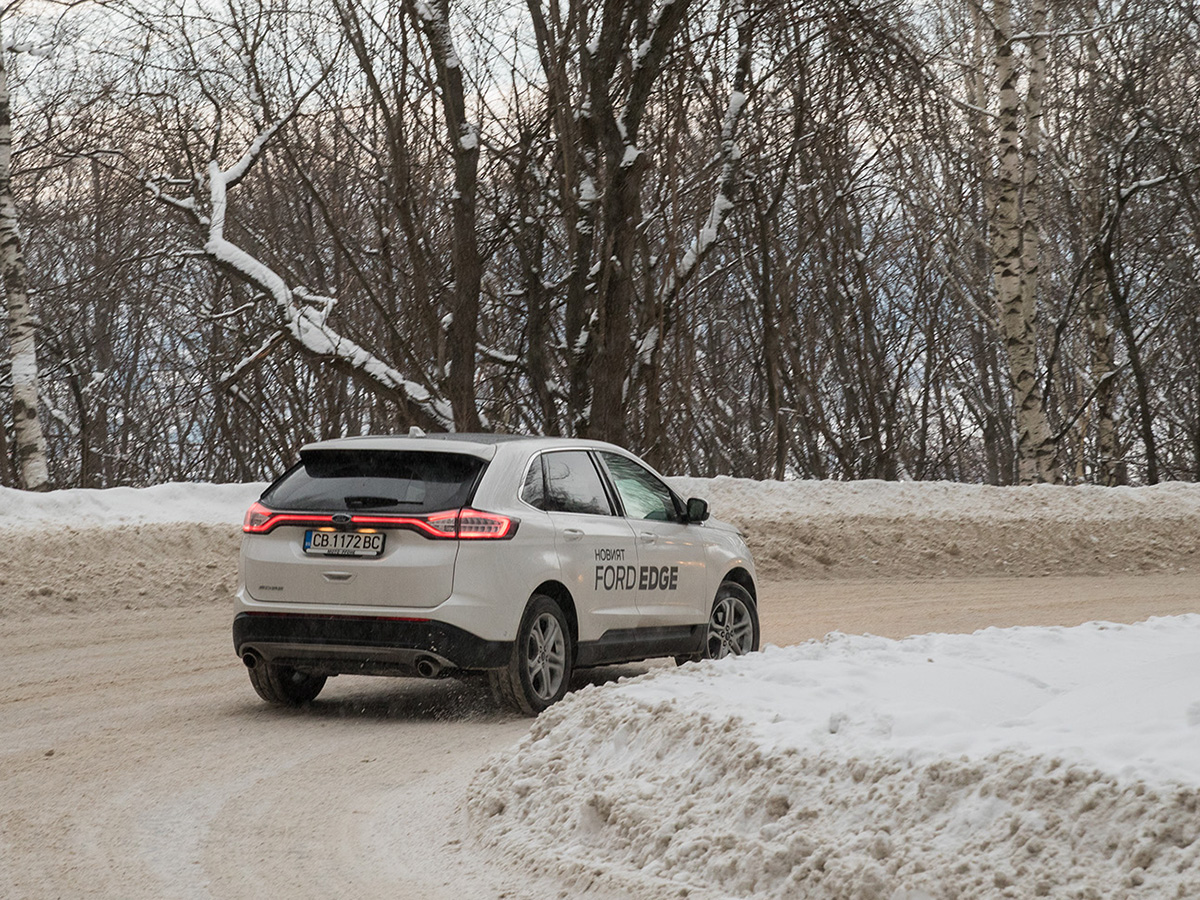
521	557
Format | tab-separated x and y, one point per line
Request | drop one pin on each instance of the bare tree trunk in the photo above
1015	301
1108	462
1141	379
997	439
773	359
32	472
1109	466
463	332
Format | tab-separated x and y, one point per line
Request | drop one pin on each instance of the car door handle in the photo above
648	537
572	534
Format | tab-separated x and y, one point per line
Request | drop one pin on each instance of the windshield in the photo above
336	480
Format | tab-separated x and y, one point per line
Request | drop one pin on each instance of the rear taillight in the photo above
443	524
464	524
476	525
258	519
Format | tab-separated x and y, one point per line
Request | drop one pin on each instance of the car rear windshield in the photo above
377	481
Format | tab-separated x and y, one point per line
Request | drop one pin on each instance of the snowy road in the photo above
137	762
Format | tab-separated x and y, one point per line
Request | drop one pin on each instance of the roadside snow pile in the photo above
209	504
807	529
169	546
874	529
775	500
97	546
1021	762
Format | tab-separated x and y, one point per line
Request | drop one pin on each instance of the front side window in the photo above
349	480
643	495
572	484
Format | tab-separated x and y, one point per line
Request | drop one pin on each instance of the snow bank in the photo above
171	546
810	529
779	500
877	529
209	504
734	499
1021	762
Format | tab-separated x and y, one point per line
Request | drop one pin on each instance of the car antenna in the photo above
416	431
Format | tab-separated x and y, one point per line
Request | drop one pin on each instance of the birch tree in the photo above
30	446
1014	267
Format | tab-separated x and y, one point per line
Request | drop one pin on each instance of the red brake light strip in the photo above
464	524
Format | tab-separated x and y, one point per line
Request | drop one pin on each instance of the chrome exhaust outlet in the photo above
428	667
251	659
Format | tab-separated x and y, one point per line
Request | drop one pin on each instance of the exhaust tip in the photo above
251	659
428	667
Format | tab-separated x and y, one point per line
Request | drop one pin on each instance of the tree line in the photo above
806	238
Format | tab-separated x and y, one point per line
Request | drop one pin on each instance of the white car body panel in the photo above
482	586
586	544
412	573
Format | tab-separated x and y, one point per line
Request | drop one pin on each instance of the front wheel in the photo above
539	671
283	685
732	625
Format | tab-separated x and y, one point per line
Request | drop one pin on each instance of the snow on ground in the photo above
1009	763
1021	762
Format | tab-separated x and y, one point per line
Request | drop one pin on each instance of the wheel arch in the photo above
557	591
743	578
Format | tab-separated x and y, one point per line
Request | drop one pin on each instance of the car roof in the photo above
481	445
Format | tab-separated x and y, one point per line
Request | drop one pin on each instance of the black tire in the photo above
539	672
733	628
283	685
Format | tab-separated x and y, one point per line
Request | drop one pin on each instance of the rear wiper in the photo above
370	502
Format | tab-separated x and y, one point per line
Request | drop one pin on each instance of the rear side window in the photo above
533	491
376	480
571	484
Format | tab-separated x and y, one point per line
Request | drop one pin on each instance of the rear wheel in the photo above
539	671
284	685
733	628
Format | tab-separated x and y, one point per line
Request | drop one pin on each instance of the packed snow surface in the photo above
1019	762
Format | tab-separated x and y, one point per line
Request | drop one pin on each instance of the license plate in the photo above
343	543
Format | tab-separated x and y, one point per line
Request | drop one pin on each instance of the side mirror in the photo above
697	509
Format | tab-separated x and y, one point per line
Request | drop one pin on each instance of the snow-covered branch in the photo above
228	378
722	205
305	326
647	62
303	316
731	155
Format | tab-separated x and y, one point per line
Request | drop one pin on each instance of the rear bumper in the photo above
363	645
